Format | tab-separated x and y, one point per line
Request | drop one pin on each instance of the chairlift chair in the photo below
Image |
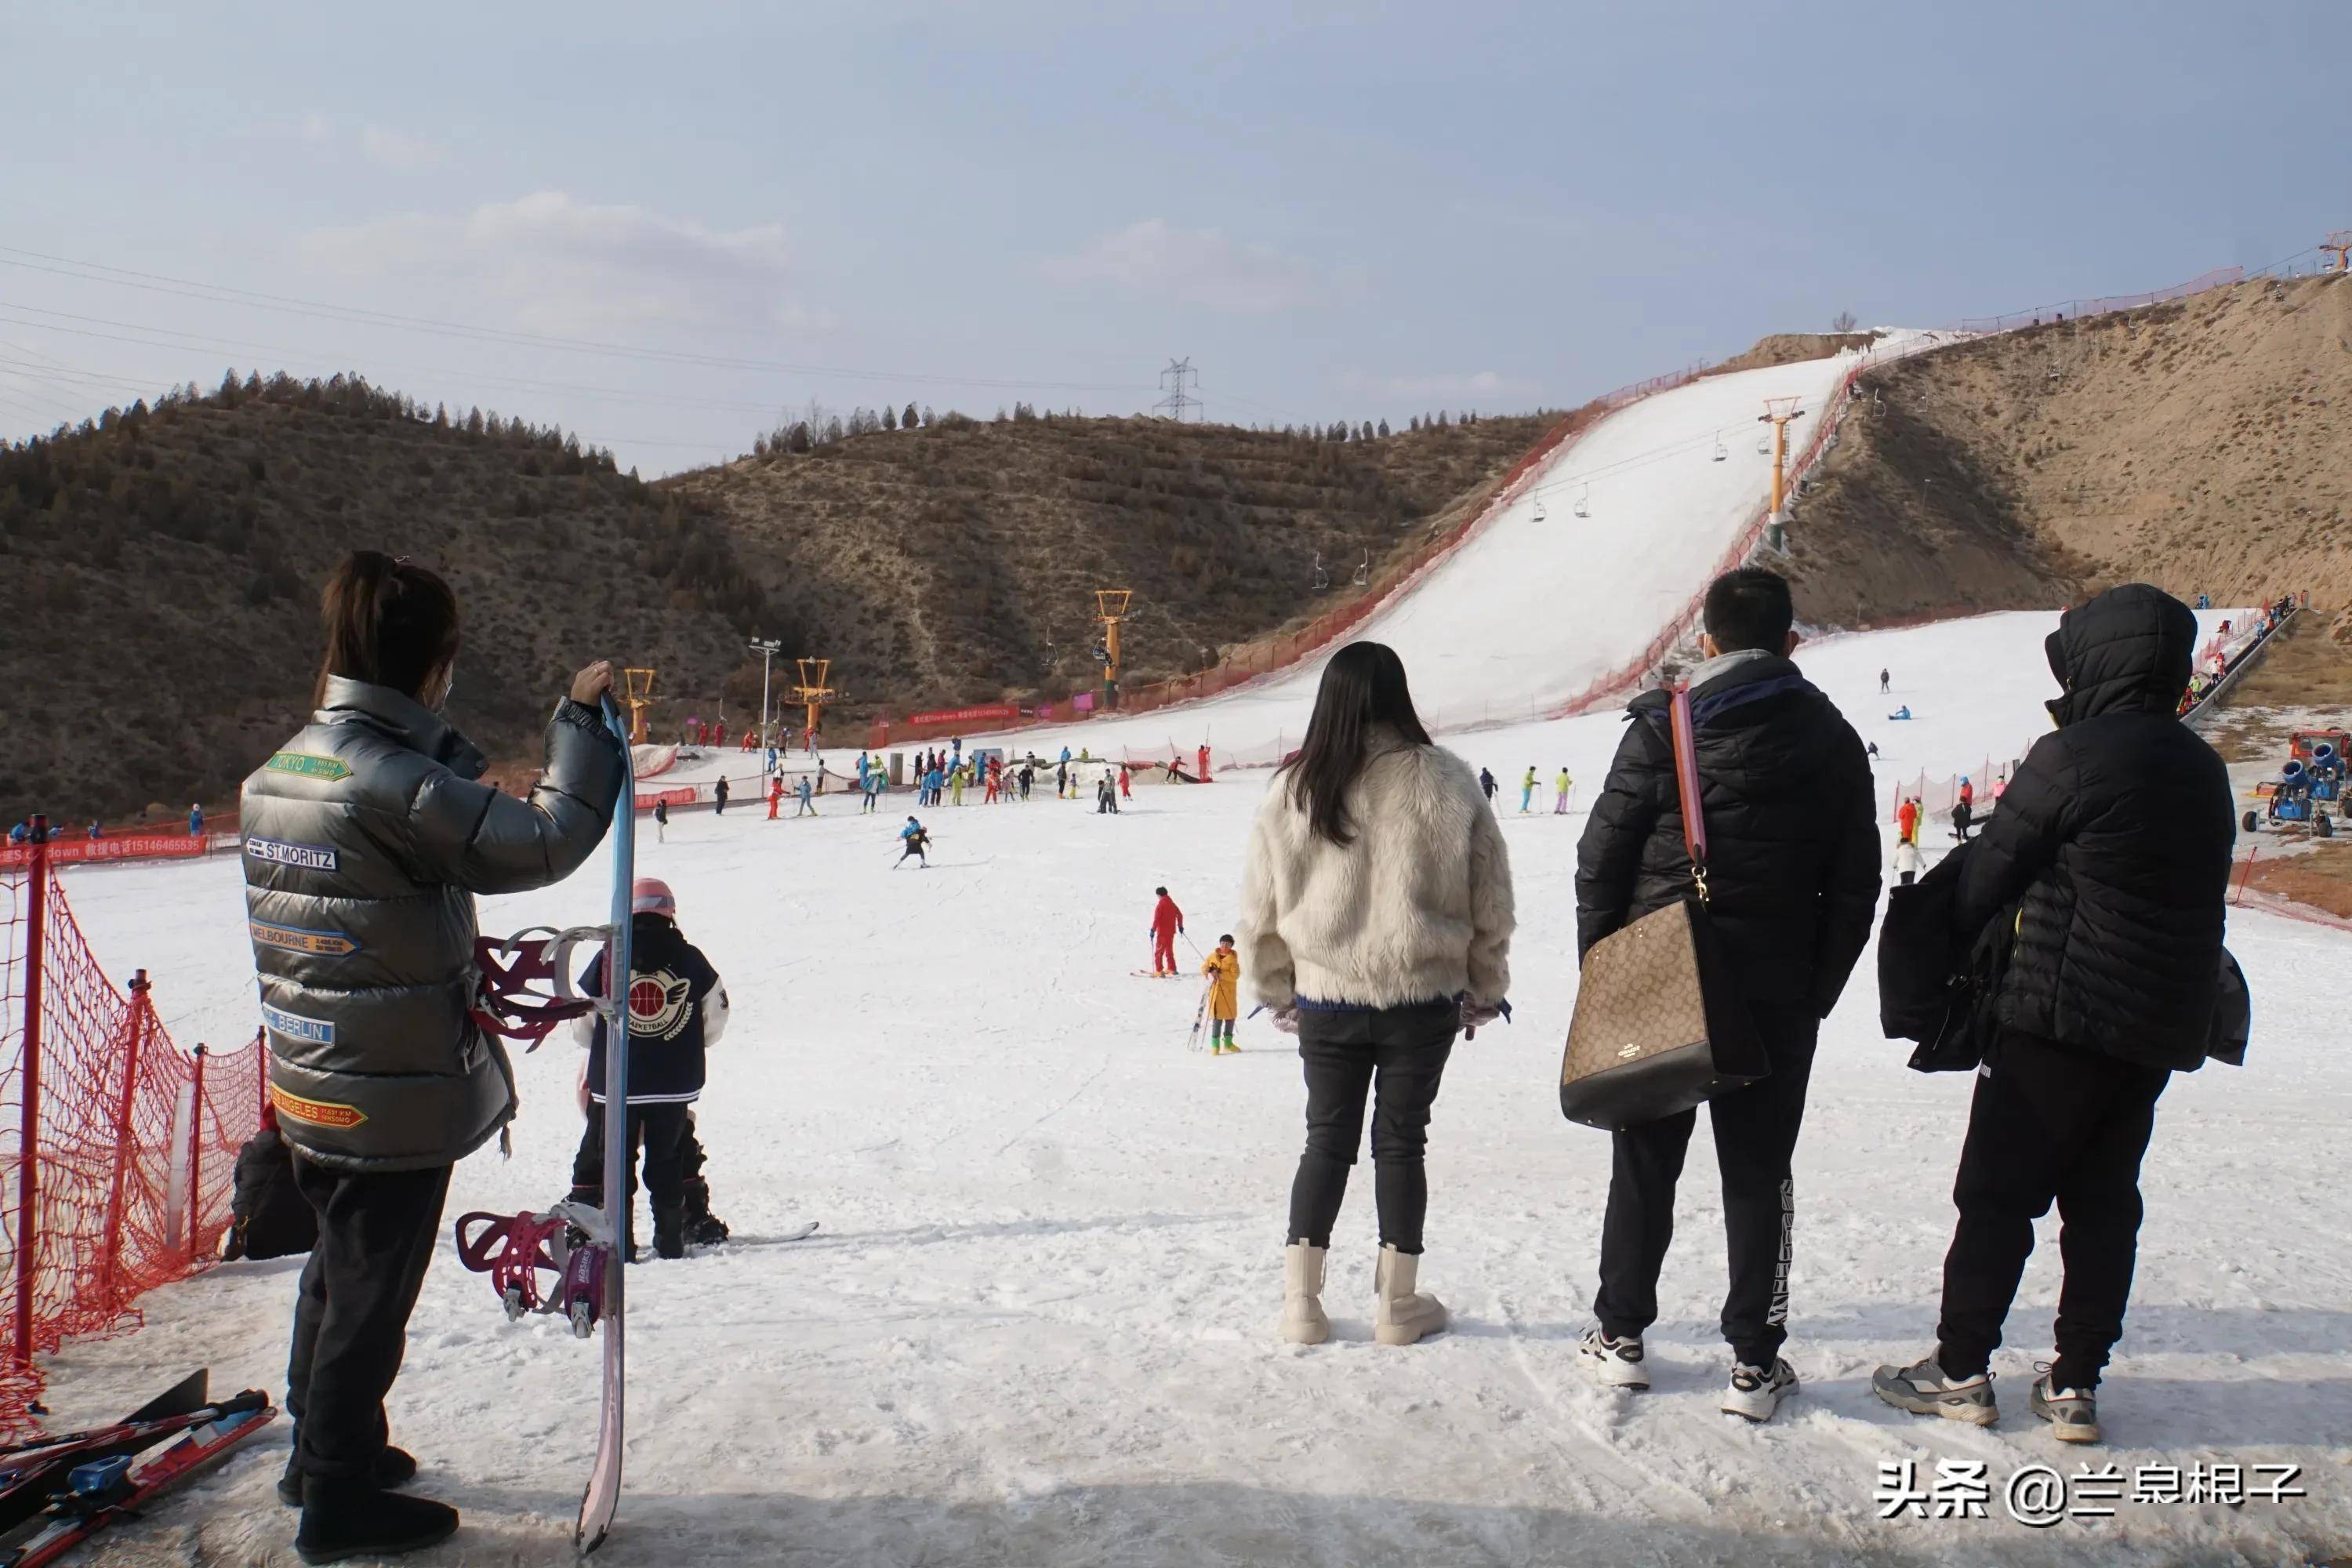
1364	570
1322	579
1721	452
1584	502
1539	508
1764	445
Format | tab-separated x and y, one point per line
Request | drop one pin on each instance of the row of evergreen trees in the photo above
818	425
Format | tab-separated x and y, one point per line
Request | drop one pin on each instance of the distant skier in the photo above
1486	784
1028	778
1167	922
1528	791
1884	683
1906	821
677	1010
1873	749
1105	795
775	795
1224	968
1902	712
1062	777
1968	793
1559	806
873	782
1204	762
957	773
808	798
1961	817
195	821
721	793
1126	783
661	821
1906	861
918	841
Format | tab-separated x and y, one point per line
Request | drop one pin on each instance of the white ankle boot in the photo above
1399	1316
1303	1322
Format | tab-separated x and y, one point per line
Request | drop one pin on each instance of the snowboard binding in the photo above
570	1241
525	988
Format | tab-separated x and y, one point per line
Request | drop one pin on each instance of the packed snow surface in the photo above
1037	1326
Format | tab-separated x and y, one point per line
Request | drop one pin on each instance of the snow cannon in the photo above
2323	753
2293	799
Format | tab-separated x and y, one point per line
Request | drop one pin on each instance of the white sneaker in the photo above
1755	1391
1617	1363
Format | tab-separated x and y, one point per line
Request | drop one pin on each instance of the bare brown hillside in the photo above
160	567
2205	446
159	571
957	562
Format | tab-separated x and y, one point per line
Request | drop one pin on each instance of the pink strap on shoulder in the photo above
1686	786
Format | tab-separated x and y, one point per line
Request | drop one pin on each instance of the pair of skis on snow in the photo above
56	1492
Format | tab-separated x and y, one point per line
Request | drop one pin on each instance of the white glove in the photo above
1477	1014
1286	1019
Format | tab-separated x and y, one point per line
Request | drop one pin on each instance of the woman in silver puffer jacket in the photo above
366	838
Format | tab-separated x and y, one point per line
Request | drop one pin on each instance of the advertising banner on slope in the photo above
965	715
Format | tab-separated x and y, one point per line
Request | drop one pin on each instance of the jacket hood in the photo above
2129	649
400	718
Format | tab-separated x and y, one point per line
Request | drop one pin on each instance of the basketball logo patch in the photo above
659	1005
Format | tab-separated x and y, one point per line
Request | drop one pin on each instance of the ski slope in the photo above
1037	1327
1539	602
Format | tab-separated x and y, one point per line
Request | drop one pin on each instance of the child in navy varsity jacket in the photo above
678	1011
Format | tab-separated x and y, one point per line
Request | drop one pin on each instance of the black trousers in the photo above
376	1234
663	1133
1754	1140
1397	1055
2049	1123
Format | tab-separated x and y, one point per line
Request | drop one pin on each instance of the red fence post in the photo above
29	1136
136	1039
195	1160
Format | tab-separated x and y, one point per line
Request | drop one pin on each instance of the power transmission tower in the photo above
1179	404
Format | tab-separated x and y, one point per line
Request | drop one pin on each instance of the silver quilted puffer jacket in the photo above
366	838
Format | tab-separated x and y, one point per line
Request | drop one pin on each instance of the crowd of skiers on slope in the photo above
1376	924
2092	902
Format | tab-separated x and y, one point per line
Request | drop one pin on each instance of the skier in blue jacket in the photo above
917	839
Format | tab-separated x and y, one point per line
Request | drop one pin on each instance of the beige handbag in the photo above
1659	1026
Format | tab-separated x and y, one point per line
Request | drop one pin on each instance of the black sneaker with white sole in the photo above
1755	1391
1616	1362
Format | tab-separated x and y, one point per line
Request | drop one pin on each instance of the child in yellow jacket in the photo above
1224	968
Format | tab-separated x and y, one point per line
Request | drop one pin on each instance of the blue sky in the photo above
1355	213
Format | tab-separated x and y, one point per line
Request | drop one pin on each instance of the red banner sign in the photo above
120	847
965	715
682	795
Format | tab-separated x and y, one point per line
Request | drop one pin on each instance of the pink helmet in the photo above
651	896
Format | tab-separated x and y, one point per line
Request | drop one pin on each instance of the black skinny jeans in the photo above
1397	1055
2050	1122
376	1233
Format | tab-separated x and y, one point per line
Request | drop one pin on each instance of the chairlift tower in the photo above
2339	244
813	693
1179	402
1110	609
766	649
637	693
1777	412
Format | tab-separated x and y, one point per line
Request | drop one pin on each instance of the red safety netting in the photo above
118	1147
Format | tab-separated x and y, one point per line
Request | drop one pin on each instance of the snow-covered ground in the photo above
1037	1326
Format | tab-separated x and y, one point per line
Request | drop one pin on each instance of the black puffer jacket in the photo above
1793	852
2115	835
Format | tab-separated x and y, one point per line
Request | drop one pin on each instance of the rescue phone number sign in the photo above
965	715
121	847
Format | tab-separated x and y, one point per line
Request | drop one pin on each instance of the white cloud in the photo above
1196	265
1454	386
399	154
551	263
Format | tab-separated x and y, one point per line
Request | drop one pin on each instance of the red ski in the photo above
98	1494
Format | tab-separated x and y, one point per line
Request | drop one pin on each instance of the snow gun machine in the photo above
2311	779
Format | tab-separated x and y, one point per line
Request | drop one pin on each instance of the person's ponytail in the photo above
389	623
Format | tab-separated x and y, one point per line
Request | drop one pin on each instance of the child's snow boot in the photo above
1303	1322
1399	1316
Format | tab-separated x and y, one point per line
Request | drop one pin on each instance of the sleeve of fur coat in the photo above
1265	958
1493	913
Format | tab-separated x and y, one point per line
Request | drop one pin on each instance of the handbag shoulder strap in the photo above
1686	787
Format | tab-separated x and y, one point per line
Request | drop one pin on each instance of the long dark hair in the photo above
389	623
1363	685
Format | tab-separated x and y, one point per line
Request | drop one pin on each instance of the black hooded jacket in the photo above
2114	840
1793	851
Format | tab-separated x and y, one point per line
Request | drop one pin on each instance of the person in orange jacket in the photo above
775	795
1906	821
1224	968
1126	786
1167	920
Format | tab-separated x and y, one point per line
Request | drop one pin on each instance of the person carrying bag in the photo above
1725	887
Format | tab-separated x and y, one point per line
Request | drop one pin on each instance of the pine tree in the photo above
889	417
907	421
1384	429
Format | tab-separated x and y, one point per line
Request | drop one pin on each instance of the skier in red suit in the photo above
1167	920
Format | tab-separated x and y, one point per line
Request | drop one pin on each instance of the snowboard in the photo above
602	1498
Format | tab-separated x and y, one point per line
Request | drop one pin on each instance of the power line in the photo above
222	294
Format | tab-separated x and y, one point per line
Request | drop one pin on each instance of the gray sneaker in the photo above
1924	1390
2072	1412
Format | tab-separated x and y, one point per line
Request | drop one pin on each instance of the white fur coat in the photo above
1417	909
